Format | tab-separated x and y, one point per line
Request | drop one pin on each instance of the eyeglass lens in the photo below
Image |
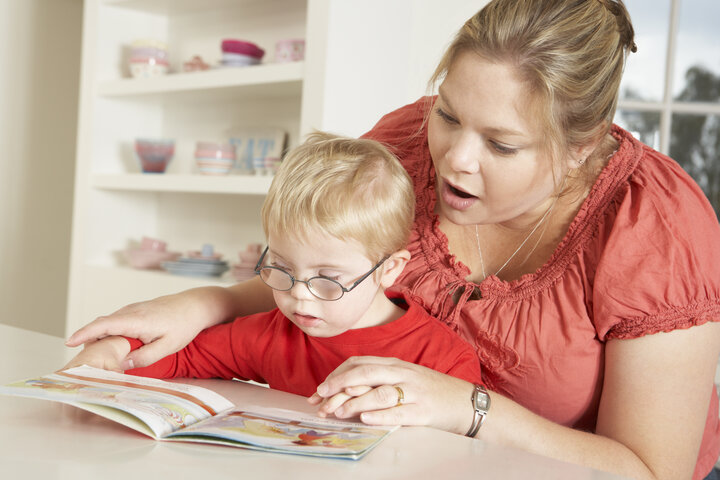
322	288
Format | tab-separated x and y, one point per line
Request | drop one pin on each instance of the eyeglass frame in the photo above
259	268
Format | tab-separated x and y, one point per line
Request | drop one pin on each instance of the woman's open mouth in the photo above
456	198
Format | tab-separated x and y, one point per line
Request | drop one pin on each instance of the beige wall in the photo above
39	72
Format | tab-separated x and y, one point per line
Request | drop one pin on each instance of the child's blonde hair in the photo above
351	189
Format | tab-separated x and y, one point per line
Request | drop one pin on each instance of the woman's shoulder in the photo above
404	128
660	197
658	265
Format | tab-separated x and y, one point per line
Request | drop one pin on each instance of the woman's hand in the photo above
365	386
167	324
164	325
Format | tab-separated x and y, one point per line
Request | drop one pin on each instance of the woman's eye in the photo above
503	149
447	118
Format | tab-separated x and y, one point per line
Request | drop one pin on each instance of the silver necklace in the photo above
534	229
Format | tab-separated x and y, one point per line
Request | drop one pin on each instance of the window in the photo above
670	95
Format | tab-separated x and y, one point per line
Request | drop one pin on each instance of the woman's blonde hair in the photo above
570	53
352	189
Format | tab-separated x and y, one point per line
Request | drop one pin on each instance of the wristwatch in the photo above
481	403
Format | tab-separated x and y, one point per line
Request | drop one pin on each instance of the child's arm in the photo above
106	353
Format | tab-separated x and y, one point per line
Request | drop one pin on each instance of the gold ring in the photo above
401	396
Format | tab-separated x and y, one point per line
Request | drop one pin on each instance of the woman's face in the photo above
486	147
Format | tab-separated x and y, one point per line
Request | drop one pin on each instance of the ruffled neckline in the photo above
584	226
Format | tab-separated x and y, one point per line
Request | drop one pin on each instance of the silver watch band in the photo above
481	404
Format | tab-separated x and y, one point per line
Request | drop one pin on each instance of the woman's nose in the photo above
464	154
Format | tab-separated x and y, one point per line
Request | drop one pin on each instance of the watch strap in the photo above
481	404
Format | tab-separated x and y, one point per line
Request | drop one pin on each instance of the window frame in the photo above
667	107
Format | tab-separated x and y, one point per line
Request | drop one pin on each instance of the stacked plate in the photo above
198	264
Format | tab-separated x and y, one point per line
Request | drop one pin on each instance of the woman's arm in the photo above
166	324
651	418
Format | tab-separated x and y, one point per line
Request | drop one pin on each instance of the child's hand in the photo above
106	353
328	406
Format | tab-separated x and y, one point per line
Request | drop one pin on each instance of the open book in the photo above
180	412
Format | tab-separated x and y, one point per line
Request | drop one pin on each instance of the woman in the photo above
581	264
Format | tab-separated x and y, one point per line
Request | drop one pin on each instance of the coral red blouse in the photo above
642	256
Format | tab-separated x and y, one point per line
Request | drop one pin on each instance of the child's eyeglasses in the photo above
321	287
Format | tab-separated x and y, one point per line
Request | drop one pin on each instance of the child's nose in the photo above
301	290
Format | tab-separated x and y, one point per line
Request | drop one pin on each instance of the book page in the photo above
162	406
285	431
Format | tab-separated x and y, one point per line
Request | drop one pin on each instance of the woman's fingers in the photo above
127	321
96	330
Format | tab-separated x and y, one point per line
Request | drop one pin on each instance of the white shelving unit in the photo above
116	204
362	59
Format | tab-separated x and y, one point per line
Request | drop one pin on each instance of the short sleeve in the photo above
402	130
659	269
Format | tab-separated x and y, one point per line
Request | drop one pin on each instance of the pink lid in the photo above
245	48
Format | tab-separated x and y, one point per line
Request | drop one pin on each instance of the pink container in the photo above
289	50
149	243
242	47
154	155
148	58
215	158
148	259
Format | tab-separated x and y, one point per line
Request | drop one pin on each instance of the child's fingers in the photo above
357	390
333	403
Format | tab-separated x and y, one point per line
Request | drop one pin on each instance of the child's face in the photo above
327	256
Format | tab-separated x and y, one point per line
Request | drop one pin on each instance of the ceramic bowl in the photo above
289	50
148	259
231	45
154	155
215	158
149	243
238	60
148	68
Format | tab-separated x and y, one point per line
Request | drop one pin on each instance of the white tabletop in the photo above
46	440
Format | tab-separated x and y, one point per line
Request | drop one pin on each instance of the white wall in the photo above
39	72
367	76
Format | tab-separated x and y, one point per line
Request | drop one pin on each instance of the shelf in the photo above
173	7
272	79
185	183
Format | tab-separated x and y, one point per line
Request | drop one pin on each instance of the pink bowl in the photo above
290	50
154	155
148	259
243	47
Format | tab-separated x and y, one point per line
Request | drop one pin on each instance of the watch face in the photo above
482	400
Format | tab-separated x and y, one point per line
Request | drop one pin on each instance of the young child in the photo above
337	218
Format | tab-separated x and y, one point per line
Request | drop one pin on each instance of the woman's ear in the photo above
393	267
580	155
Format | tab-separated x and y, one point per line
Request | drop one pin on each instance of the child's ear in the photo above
393	267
